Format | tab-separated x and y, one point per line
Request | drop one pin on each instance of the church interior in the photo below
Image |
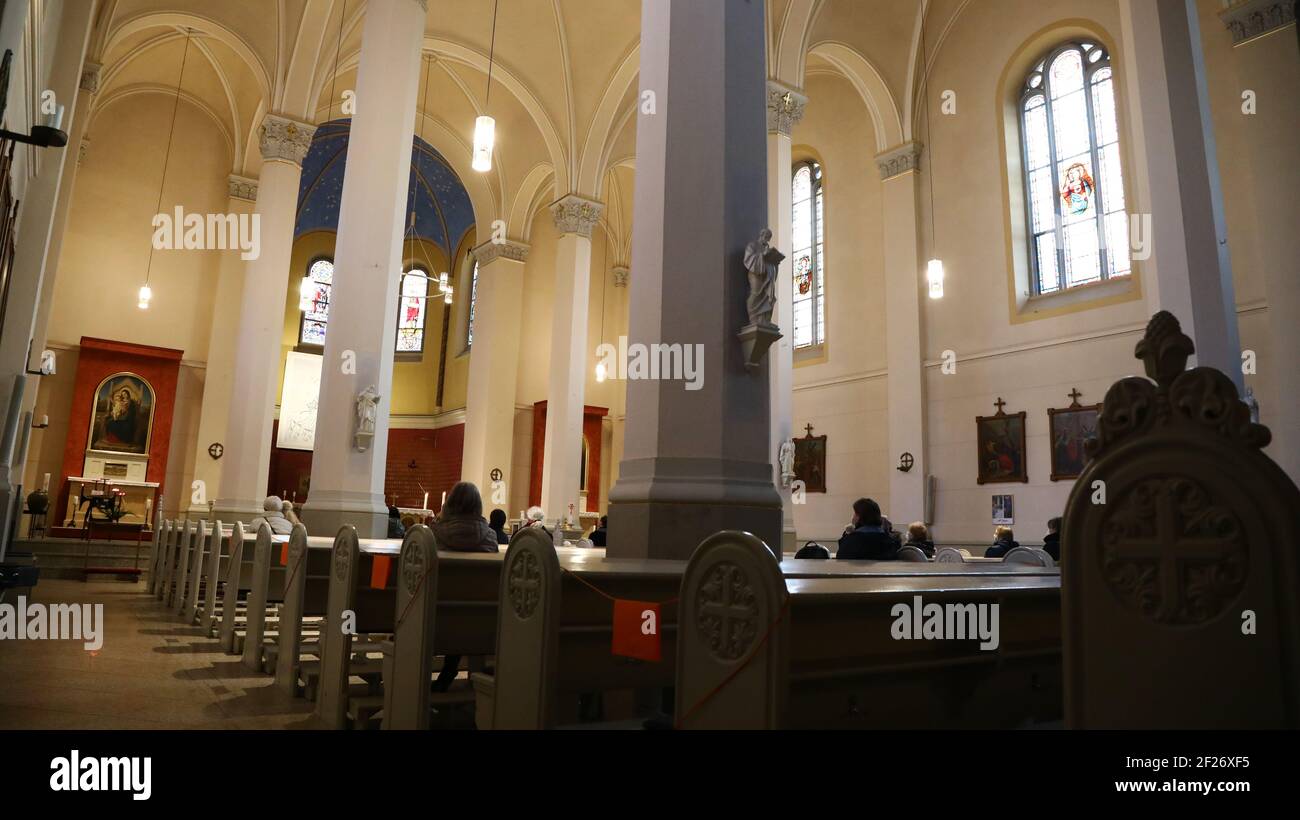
521	364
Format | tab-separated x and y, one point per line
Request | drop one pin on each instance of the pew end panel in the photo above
1196	538
406	677
527	634
733	636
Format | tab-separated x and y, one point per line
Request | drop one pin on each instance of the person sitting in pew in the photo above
497	521
395	528
1003	542
602	530
1052	541
536	517
918	536
273	514
894	535
865	538
460	528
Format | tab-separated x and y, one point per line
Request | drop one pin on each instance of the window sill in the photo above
414	358
810	355
317	350
1080	297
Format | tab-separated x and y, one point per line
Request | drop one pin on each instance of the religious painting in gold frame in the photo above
121	419
810	461
1001	452
1069	429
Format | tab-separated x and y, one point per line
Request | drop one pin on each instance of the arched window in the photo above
809	259
473	300
411	311
1074	185
314	302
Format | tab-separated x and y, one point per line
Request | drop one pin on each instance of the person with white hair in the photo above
536	517
274	516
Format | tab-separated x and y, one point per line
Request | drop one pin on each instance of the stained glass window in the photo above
473	300
1074	186
808	242
411	311
315	302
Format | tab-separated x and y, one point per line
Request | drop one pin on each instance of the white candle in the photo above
46	484
426	502
45	421
444	500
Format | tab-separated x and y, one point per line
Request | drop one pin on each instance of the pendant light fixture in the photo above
485	128
146	293
934	269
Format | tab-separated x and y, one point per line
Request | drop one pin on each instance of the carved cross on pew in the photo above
732	609
999	404
1173	550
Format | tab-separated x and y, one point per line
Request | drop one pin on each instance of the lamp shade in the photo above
485	135
934	275
145	295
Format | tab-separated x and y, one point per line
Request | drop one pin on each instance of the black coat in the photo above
926	547
859	546
598	537
1052	544
1000	549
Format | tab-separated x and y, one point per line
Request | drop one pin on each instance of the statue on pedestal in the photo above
367	413
786	459
761	263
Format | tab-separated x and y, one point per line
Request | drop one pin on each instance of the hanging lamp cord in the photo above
167	155
492	51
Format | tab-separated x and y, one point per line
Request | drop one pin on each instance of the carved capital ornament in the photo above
575	214
281	138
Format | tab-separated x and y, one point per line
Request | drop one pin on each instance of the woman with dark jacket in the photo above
497	521
460	526
918	536
1004	542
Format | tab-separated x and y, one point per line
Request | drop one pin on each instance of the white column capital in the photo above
1249	20
785	108
284	138
576	214
424	4
899	160
90	73
622	275
489	252
243	188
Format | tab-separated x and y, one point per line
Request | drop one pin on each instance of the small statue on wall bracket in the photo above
367	413
762	261
786	459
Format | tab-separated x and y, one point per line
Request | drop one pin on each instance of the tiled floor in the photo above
151	673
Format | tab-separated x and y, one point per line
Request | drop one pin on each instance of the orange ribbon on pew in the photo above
636	624
284	554
379	568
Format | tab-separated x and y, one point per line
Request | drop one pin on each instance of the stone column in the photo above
255	331
697	461
1176	178
1264	59
347	483
493	363
575	217
903	317
785	109
36	216
622	277
219	375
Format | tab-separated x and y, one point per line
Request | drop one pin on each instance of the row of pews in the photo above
359	626
1177	606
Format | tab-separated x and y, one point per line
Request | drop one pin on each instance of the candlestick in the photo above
425	505
45	485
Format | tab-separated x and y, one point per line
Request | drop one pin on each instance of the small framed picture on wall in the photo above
1004	510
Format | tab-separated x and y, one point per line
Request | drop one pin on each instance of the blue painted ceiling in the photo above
443	212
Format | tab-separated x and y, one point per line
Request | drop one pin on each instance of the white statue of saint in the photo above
787	462
761	263
1253	404
367	413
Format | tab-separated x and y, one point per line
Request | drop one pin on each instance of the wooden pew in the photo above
305	581
155	549
236	578
157	567
215	569
163	588
554	632
180	569
1196	540
189	608
758	650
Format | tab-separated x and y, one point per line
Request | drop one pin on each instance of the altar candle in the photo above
444	500
425	506
45	421
46	484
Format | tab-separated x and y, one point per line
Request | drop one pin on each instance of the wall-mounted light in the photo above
934	275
